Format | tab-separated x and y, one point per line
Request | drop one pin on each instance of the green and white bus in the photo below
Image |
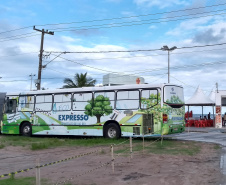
109	111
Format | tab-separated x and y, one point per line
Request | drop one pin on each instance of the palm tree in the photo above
80	80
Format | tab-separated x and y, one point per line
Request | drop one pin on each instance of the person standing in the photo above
224	119
209	115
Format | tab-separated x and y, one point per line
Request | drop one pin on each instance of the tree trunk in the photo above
98	118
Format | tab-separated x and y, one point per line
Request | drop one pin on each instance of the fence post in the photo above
162	136
143	143
38	180
112	159
131	147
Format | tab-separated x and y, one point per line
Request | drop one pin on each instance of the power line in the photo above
130	51
158	13
15	29
201	46
19	38
114	58
64	29
175	67
190	85
159	69
18	35
150	70
115	26
85	65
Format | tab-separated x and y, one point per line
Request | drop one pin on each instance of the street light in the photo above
31	75
166	48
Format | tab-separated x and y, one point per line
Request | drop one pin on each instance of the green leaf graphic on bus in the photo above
153	106
174	100
100	106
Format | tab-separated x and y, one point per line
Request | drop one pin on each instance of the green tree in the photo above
100	106
80	80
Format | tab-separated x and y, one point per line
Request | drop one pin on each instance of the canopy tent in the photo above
200	99
212	96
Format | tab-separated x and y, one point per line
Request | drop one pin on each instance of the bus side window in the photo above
127	100
80	100
10	106
149	98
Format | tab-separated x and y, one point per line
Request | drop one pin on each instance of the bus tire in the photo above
26	129
112	131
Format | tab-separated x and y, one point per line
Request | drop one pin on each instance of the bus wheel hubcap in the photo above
111	132
26	129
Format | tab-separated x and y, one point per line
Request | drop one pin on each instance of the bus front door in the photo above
2	100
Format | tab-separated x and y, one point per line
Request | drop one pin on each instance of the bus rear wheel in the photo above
112	131
26	129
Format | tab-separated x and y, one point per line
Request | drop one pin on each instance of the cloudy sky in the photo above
114	25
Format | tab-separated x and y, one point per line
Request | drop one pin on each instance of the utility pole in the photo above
40	55
31	75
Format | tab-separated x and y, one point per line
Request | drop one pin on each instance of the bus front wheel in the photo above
112	131
26	129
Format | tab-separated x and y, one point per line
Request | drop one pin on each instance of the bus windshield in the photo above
173	96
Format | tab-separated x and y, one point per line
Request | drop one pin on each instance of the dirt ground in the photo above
96	169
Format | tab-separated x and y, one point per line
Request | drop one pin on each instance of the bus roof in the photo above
89	89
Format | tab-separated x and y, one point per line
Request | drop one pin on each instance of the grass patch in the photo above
217	147
169	147
22	181
175	148
38	143
2	146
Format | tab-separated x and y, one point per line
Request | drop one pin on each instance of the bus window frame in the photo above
94	92
20	103
35	103
143	89
6	107
71	102
116	98
81	92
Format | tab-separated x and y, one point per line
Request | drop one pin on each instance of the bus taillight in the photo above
165	118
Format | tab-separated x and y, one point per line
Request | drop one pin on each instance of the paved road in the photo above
210	135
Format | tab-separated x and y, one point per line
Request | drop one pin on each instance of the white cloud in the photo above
69	39
159	3
114	1
152	27
189	25
19	67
